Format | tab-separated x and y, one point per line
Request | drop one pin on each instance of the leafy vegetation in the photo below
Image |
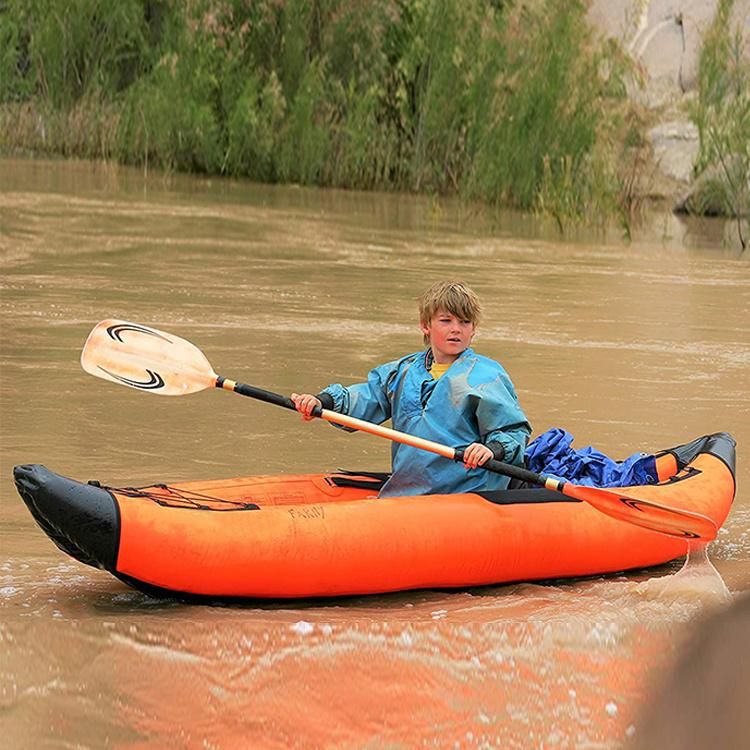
509	103
722	115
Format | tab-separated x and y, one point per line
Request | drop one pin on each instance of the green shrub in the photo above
16	77
79	45
170	116
509	103
722	115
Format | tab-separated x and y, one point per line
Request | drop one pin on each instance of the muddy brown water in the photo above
630	347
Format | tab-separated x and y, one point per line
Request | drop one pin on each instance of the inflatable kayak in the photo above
330	535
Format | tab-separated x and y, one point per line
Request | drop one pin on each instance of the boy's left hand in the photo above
476	455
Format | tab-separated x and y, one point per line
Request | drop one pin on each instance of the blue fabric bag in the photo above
551	453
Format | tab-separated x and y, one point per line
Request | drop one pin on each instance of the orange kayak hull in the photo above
330	535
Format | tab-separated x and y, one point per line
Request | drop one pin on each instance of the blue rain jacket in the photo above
551	453
473	402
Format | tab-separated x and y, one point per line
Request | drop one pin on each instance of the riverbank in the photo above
694	61
543	107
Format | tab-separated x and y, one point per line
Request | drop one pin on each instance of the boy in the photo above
447	394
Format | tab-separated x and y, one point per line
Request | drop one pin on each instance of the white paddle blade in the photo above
622	505
145	358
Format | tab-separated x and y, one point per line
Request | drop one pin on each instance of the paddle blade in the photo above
145	358
619	504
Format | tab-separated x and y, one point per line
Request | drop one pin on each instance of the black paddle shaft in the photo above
508	470
261	394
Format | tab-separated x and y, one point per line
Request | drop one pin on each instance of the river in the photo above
636	346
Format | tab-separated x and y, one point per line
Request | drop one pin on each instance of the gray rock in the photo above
710	195
675	147
663	36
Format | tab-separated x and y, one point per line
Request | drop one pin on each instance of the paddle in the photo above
151	360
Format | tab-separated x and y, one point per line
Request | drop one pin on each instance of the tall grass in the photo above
63	51
722	115
505	102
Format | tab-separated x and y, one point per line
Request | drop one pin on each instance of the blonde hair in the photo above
451	296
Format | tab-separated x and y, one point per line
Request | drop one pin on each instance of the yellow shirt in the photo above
439	369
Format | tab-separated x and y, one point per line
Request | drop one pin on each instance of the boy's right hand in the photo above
305	403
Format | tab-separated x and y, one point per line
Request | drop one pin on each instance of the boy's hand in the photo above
305	403
476	455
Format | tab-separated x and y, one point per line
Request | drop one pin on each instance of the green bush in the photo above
16	79
722	115
69	47
169	116
509	103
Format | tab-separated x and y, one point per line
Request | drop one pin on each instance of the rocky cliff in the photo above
664	39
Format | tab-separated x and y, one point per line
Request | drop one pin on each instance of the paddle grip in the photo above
271	398
508	470
260	394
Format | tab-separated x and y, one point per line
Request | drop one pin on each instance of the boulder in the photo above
664	37
675	147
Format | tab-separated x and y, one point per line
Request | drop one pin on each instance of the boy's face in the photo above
449	336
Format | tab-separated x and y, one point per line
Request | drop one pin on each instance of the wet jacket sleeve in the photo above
369	401
502	424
